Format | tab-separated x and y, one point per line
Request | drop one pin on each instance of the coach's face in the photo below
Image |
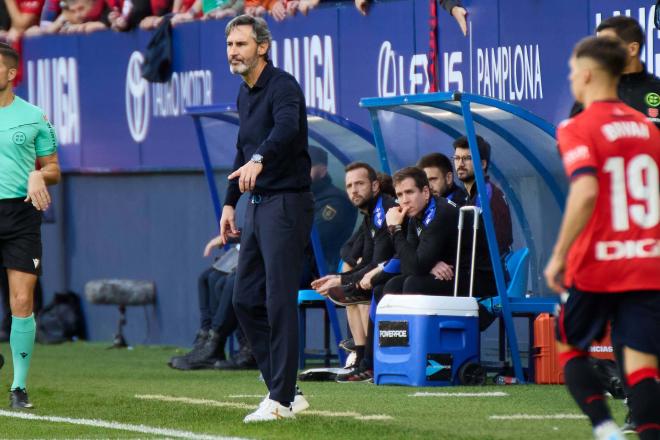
7	74
410	197
243	52
359	188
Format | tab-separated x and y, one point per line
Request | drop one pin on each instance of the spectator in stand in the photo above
453	7
158	9
22	15
276	8
5	21
127	14
228	9
78	16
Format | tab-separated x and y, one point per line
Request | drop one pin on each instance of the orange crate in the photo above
546	359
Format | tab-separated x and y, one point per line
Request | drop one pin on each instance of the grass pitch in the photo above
87	381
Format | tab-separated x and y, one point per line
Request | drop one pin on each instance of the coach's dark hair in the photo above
385	183
414	173
436	160
482	146
260	31
626	28
357	165
607	52
9	56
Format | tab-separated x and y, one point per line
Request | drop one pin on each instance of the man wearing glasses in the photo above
464	166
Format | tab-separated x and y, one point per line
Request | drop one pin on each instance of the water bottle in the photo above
505	380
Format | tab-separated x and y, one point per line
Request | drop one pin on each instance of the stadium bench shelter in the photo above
524	162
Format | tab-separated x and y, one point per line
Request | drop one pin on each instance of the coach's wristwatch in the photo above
257	158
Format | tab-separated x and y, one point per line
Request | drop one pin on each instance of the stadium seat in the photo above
311	299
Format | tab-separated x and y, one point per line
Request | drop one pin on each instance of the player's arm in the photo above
582	196
48	174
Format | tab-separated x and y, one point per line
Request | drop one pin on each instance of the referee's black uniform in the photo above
278	221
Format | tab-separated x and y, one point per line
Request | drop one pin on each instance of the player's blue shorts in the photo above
635	318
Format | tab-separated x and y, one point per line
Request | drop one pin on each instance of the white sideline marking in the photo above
538	417
142	429
207	402
375	417
484	394
217	403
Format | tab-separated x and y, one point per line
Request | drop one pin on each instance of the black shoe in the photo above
629	427
346	295
347	345
185	364
18	399
2	361
200	339
343	378
214	348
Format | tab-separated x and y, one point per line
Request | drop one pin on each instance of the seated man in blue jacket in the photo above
430	237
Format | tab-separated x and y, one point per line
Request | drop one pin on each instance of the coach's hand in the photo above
443	271
247	175
554	272
37	191
228	224
395	215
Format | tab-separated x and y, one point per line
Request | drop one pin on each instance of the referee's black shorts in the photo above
635	318
20	236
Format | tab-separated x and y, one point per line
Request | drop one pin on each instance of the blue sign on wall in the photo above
108	118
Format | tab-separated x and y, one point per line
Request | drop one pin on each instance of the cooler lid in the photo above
428	305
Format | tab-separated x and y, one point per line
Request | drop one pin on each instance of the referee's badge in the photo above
18	138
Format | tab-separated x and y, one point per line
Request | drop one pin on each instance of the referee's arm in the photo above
48	174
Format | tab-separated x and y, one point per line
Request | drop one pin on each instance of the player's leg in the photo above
23	329
642	378
581	320
636	328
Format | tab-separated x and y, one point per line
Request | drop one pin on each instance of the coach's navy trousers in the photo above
273	240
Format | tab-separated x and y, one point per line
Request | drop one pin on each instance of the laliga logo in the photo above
137	98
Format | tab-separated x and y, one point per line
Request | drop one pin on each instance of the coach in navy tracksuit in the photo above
273	165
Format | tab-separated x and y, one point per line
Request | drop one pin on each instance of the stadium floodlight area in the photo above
524	162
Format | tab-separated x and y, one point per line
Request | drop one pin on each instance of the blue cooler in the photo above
424	340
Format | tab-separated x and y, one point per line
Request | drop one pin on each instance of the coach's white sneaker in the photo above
270	410
608	431
299	403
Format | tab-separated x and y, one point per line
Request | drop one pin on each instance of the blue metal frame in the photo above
463	108
492	242
208	169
